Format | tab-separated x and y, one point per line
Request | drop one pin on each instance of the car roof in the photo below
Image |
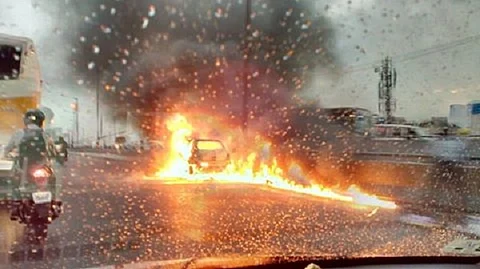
203	139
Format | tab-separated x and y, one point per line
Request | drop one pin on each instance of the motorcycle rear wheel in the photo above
37	231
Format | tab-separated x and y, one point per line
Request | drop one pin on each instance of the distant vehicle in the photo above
400	132
61	153
120	142
207	155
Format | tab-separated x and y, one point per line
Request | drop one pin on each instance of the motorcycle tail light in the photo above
41	182
40	173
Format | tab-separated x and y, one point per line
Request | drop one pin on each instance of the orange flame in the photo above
242	171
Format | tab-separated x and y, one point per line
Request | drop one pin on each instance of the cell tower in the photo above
386	85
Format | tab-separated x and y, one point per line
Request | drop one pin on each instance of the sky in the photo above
424	38
368	30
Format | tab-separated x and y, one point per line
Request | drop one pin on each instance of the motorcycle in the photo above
37	207
61	156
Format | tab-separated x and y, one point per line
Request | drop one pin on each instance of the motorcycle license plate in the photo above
42	197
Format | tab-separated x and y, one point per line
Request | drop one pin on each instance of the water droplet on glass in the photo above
91	65
106	29
96	49
80	82
113	11
145	22
102	7
151	11
86	19
82	39
219	13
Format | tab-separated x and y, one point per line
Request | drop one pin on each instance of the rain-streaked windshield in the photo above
147	130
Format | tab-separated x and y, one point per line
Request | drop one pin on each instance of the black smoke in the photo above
154	55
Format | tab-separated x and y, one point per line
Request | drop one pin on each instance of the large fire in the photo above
242	171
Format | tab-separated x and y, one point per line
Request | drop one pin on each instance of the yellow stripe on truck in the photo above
11	114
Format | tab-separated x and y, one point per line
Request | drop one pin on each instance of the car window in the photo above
211	150
209	145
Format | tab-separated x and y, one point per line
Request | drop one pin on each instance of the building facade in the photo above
458	115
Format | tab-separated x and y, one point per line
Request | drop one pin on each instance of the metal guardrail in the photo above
469	162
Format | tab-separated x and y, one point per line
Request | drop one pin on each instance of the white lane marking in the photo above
419	220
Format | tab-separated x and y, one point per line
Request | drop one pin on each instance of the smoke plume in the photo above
155	56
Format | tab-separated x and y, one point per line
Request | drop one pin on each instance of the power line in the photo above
415	54
436	49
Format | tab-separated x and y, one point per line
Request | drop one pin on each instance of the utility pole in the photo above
98	104
246	58
76	120
386	85
101	127
77	123
115	124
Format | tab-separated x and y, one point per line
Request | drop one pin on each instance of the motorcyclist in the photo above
33	121
61	141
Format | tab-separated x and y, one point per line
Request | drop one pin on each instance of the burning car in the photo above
207	155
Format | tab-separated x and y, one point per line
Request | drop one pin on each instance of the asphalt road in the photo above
113	216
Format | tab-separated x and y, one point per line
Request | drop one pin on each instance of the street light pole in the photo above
245	66
75	108
77	122
98	104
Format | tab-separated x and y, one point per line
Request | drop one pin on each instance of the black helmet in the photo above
34	116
